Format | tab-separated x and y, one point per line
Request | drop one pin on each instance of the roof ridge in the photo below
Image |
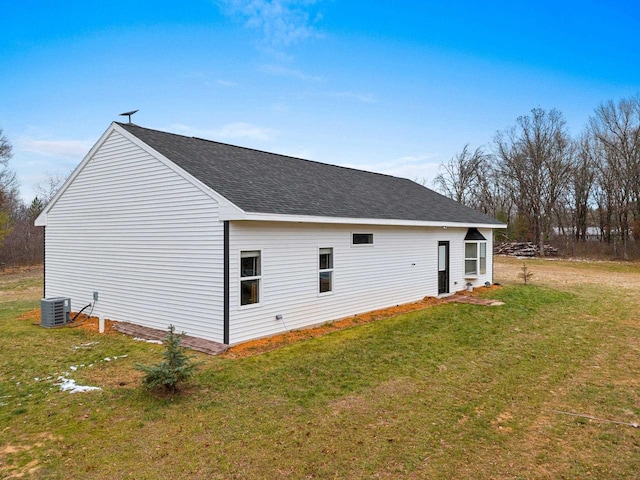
318	162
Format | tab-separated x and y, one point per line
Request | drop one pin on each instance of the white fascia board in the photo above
41	220
270	217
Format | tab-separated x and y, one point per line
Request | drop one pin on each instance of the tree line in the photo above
21	243
545	184
535	177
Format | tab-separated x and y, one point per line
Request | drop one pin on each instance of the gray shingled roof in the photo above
264	182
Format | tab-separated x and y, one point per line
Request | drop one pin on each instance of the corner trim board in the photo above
225	333
44	262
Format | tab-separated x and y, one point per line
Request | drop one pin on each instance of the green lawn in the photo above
454	391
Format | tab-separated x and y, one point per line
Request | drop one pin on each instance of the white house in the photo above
232	244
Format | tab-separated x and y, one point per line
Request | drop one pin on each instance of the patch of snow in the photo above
148	341
73	368
115	357
69	385
85	345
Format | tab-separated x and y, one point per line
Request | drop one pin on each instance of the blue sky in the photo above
395	87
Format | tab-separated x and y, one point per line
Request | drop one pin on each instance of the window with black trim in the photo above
362	239
250	277
325	270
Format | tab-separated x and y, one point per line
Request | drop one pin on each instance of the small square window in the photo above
362	239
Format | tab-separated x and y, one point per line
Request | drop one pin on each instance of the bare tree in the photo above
8	181
47	188
534	159
9	199
587	157
6	151
616	127
460	178
20	241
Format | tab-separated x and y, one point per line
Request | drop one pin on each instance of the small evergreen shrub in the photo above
176	368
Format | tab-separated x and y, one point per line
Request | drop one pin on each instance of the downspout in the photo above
225	324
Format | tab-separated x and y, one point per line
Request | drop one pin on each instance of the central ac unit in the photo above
54	312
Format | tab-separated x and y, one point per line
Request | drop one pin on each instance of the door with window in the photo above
443	267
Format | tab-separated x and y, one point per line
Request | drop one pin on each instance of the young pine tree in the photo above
525	274
176	368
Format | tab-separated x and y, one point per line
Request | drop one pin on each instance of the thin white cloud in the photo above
226	83
279	107
361	97
55	148
281	71
281	22
422	169
385	167
423	173
304	153
230	131
194	75
246	130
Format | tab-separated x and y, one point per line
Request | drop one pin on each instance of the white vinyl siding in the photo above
401	267
142	236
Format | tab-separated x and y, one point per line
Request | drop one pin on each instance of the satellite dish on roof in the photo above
128	114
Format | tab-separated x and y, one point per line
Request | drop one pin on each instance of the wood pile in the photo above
524	249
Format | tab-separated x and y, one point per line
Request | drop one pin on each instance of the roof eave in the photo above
234	215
